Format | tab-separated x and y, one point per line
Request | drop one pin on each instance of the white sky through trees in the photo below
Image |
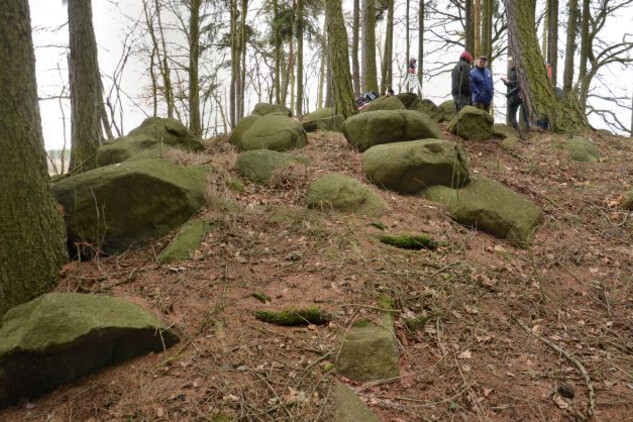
51	39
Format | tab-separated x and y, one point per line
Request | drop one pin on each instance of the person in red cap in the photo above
460	77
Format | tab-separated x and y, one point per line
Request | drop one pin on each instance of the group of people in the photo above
474	86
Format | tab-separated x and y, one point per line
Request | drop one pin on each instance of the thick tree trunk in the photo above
387	76
370	77
570	47
421	43
337	40
234	66
195	123
469	36
486	30
552	38
537	92
32	235
585	46
86	96
355	44
300	19
477	26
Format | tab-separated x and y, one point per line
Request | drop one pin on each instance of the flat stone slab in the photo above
348	407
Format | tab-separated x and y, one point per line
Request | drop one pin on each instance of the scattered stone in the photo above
59	338
369	351
348	407
418	323
365	130
412	242
242	127
489	206
168	131
472	123
429	108
384	103
273	131
295	317
502	131
116	207
449	110
408	99
566	391
260	164
627	201
342	193
188	239
509	143
409	167
582	149
323	119
262	109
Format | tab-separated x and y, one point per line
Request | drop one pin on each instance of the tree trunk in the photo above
243	48
355	43
165	69
486	30
370	77
552	38
585	46
234	68
477	26
387	76
86	96
421	43
570	47
277	38
300	57
322	64
407	22
536	90
195	123
150	28
469	27
342	80
32	234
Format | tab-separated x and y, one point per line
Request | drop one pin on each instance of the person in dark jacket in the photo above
513	95
481	86
460	77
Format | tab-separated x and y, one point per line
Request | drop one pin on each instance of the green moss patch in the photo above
186	242
413	242
262	297
295	317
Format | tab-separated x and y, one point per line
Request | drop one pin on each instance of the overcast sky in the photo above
51	38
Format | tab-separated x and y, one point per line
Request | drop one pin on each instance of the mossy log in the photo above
295	317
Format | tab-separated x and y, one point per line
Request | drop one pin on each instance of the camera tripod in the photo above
411	82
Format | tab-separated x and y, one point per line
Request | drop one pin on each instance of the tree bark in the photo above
570	47
86	95
387	75
370	77
407	30
277	38
477	26
469	27
552	38
355	44
585	46
165	68
299	25
234	66
536	90
195	123
486	31
243	48
421	43
32	234
338	46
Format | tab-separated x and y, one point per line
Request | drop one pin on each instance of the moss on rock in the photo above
277	132
189	237
502	131
259	165
348	407
262	109
472	123
413	242
627	201
343	193
295	317
384	103
582	149
168	131
429	108
323	119
449	110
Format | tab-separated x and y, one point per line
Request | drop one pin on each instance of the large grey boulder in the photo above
242	127
115	207
491	207
472	123
323	119
260	164
365	130
384	103
343	193
273	131
409	167
369	351
58	338
348	407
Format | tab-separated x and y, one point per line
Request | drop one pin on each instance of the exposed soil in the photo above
512	335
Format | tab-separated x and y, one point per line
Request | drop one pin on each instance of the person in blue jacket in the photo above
481	87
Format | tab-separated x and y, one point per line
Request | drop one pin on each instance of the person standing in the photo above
513	94
481	85
460	78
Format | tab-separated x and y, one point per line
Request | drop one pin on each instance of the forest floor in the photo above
512	334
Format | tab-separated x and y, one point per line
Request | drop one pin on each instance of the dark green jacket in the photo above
461	78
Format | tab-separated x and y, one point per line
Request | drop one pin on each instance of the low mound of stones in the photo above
472	123
582	150
342	193
410	167
323	119
491	207
268	127
366	130
149	140
260	164
115	207
58	338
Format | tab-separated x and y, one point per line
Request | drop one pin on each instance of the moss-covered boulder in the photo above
449	109
604	132
491	207
472	123
582	149
369	351
242	127
115	207
263	109
188	239
384	103
509	143
408	99
260	164
627	201
168	131
129	148
348	407
58	338
273	131
342	193
429	108
323	119
409	167
365	130
503	131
